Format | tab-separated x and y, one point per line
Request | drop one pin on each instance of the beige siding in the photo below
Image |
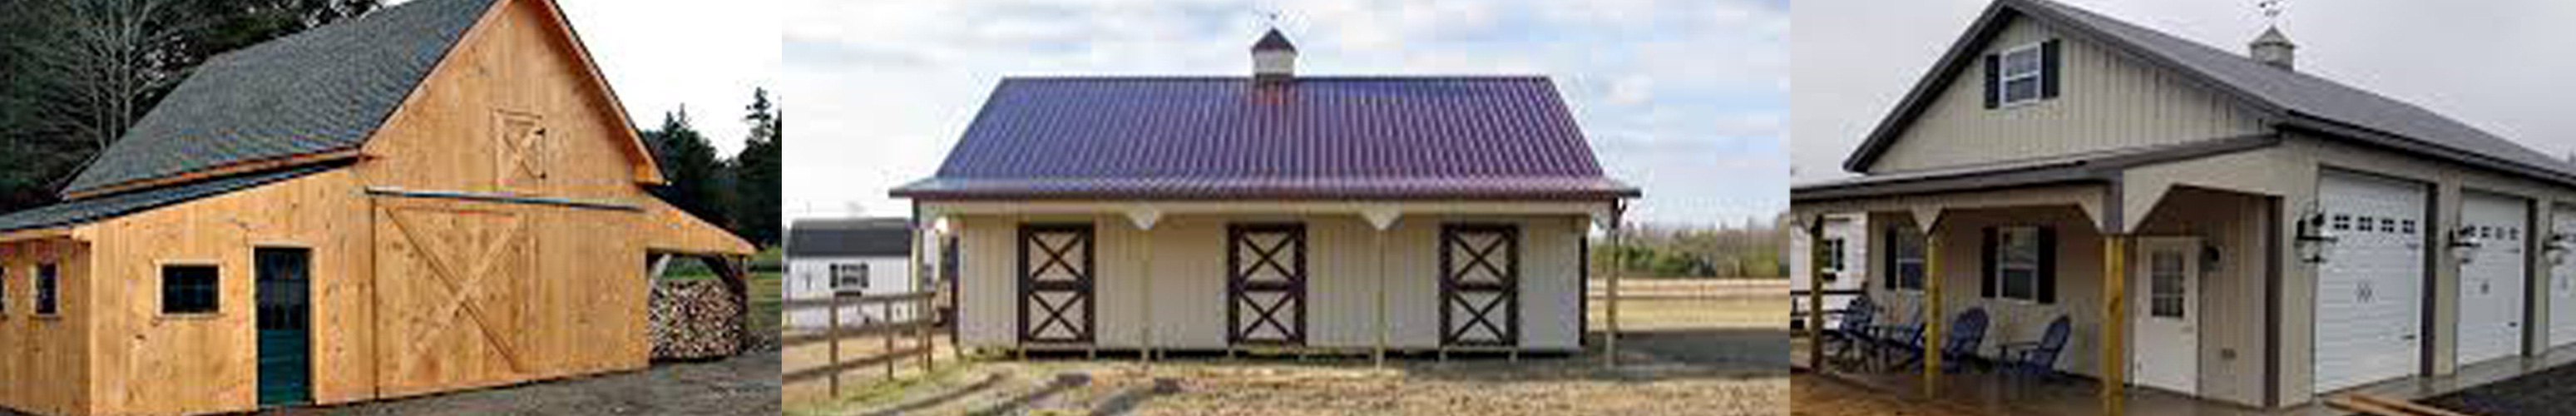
2078	274
2231	295
2108	101
1189	291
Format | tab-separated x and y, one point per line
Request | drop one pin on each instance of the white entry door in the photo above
2165	314
2562	285
2491	277
2369	299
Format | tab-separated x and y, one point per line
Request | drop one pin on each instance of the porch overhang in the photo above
2099	183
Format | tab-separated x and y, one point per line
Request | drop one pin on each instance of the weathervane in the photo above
2272	10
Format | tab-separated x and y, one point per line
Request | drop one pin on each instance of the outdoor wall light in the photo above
2556	249
2313	243
2464	243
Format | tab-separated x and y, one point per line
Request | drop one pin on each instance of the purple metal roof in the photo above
1317	137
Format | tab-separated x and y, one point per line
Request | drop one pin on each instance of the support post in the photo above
832	334
1610	339
1816	295
1378	357
1146	291
2115	292
1933	320
912	272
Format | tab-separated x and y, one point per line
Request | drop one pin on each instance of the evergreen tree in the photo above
756	174
692	169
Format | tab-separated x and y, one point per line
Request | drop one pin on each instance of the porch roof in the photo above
2098	166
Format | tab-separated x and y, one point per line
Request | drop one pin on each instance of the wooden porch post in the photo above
1145	234
2115	292
1610	339
1815	295
1932	318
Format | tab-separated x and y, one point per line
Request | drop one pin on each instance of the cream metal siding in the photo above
2108	101
1189	290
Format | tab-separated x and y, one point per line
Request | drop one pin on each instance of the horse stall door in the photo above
451	291
1267	284
285	323
1480	285
1056	284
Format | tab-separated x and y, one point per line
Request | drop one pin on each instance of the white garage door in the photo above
2368	299
2491	280
2562	286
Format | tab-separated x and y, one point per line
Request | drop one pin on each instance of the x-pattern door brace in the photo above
1266	297
1055	286
1480	277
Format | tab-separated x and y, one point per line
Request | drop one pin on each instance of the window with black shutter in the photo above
2019	263
2022	74
1905	258
189	289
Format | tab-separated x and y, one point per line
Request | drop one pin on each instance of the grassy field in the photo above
1711	348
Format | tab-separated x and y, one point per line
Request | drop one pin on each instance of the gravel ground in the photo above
2542	393
742	385
1688	355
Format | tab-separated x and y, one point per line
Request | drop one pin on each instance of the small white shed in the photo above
858	256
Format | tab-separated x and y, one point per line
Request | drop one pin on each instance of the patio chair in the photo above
1854	332
2036	357
1959	342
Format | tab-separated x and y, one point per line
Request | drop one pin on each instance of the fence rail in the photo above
1798	297
919	330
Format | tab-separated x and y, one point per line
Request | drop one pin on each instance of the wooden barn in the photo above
443	195
1279	211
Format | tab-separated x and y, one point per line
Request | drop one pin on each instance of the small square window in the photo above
189	289
849	277
2021	74
46	274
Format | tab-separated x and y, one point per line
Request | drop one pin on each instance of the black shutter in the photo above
1889	273
1986	264
1994	80
2047	265
2048	73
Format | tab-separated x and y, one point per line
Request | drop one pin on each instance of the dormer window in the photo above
2022	75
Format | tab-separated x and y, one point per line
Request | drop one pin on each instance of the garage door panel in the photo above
2562	285
2491	278
2368	288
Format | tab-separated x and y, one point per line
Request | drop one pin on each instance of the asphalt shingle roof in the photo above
323	90
1314	137
863	237
94	209
2294	94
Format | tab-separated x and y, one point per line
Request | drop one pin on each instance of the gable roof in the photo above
1494	137
849	237
2293	99
322	92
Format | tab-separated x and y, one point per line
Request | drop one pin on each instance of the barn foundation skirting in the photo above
695	319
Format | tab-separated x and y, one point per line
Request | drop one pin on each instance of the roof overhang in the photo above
2095	167
1324	189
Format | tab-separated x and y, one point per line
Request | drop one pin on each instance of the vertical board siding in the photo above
2109	102
43	361
1189	280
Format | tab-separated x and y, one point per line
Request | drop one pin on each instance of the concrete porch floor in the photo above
1993	393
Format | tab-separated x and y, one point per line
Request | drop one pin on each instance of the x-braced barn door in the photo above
1056	283
1267	284
1479	284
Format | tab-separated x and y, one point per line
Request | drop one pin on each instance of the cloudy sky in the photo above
662	54
2502	65
1686	98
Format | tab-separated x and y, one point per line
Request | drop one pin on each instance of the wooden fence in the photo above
921	329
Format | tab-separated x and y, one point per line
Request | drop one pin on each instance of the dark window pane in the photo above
188	289
45	276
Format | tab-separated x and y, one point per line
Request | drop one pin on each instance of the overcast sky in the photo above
1686	98
2502	65
661	54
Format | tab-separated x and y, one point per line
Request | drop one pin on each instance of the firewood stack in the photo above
694	319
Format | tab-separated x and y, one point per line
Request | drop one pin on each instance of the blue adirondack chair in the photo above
1853	334
1959	342
2037	357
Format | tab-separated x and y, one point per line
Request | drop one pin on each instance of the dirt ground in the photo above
742	385
1814	396
1710	349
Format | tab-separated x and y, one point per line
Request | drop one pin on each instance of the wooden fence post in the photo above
832	334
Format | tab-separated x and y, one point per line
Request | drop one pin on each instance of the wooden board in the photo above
41	358
452	289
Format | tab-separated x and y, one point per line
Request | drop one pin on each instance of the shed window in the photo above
188	289
849	277
1905	258
1833	261
2022	74
46	275
2017	262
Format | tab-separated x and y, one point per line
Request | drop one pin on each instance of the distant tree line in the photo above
1748	249
739	192
75	74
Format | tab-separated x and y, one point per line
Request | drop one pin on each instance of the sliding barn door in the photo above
1267	284
1056	283
1480	285
452	287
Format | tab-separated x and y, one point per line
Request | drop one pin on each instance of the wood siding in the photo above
1189	280
2109	101
45	360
